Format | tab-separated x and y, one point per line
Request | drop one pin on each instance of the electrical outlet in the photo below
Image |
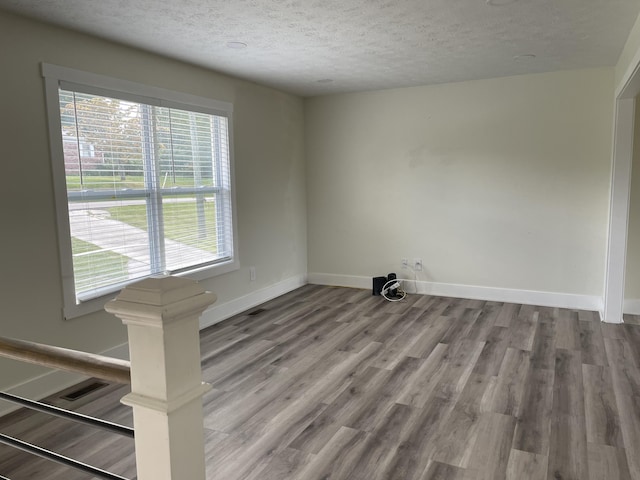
417	264
252	273
405	263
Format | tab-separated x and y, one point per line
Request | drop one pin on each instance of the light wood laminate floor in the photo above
332	383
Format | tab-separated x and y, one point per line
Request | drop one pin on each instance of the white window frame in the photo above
56	76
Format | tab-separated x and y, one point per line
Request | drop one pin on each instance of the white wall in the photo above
270	178
624	69
496	183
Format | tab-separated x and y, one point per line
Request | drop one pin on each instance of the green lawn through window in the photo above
85	254
180	222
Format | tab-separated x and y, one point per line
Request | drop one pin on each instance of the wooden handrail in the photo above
89	364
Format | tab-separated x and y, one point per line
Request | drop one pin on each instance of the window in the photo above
143	181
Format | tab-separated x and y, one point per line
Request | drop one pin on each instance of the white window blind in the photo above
148	188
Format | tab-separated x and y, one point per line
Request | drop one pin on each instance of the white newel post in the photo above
162	315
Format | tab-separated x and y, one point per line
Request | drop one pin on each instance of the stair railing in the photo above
162	318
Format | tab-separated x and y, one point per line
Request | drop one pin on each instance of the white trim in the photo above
619	210
351	281
60	194
219	312
97	304
50	383
629	84
629	88
166	406
142	91
528	297
54	76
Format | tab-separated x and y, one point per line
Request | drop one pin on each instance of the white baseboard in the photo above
529	297
219	312
49	383
340	280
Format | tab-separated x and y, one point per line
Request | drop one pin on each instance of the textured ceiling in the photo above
358	44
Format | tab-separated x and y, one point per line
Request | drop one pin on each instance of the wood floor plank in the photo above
523	330
264	440
587	316
376	407
485	321
377	328
568	449
284	426
543	355
300	326
607	462
508	313
335	460
455	309
435	305
347	406
491	451
285	464
461	325
568	330
532	433
624	373
313	341
235	357
431	335
528	311
511	382
456	437
632	335
289	385
462	361
612	331
493	352
245	371
629	409
475	394
631	319
473	303
411	458
568	393
417	393
443	471
326	343
224	337
381	444
526	465
592	343
256	382
601	411
396	347
364	358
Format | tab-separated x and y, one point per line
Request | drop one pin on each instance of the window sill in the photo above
97	304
